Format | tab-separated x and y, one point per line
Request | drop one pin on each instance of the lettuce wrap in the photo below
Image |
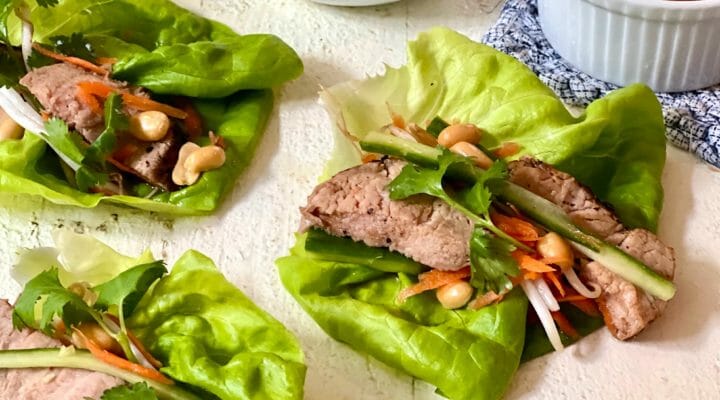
212	340
170	51
616	147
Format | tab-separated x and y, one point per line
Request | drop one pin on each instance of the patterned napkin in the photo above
692	119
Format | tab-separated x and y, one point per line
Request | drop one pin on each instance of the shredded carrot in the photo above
370	157
84	64
106	60
565	325
144	351
553	278
530	264
89	100
507	149
145	104
119	362
432	280
125	151
102	90
138	344
572	297
193	122
398	120
486	299
111	359
515	227
44	115
587	306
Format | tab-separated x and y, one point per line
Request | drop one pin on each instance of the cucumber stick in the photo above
321	245
81	359
540	210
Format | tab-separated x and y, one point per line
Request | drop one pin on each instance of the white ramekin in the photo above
669	45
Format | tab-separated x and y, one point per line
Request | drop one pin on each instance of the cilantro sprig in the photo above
490	259
44	299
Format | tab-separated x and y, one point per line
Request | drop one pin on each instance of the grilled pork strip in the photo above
44	383
355	203
626	309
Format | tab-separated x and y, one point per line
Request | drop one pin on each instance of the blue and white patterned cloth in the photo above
692	118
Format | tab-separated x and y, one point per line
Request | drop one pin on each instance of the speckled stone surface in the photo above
677	358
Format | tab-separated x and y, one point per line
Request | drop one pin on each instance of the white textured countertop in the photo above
678	357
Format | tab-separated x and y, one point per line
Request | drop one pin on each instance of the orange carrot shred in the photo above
144	351
572	297
485	300
145	104
84	64
515	227
565	325
111	359
102	90
507	149
553	278
432	280
530	264
106	60
369	157
587	306
398	120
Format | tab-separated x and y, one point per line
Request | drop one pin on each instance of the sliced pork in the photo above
55	87
626	309
44	383
355	203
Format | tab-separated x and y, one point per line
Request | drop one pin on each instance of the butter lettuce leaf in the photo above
161	46
616	147
466	354
209	335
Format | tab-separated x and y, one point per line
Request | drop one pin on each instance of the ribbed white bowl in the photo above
669	45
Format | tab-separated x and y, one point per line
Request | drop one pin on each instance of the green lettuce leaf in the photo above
616	147
170	51
466	354
79	258
208	334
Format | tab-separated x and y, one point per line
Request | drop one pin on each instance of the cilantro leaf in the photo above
479	197
138	391
128	287
62	140
46	298
104	145
414	179
490	262
74	45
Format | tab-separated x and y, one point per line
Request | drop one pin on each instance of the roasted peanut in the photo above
556	250
421	135
149	126
9	129
470	150
454	295
180	175
205	159
459	133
